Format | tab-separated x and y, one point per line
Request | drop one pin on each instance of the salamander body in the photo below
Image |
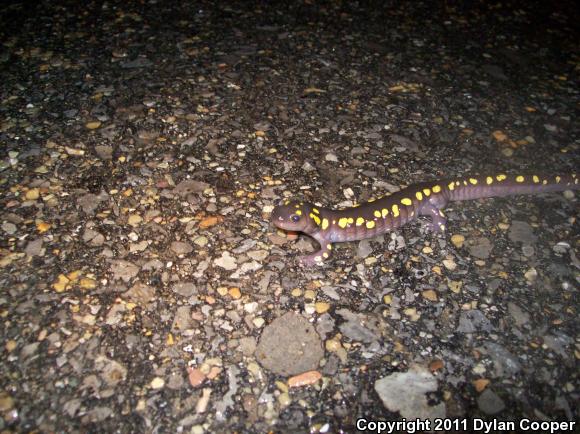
328	226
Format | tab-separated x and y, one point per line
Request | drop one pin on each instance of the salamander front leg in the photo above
318	257
438	219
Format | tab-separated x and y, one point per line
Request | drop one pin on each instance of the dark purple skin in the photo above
329	226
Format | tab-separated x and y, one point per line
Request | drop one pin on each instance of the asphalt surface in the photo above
144	146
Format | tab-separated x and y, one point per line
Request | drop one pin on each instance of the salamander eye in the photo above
295	218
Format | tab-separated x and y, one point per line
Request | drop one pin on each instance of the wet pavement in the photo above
144	146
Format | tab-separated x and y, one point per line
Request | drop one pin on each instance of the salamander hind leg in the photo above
438	220
318	257
312	259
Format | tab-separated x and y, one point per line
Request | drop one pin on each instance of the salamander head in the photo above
293	215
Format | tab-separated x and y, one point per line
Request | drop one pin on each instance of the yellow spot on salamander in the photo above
298	212
545	182
473	181
407	201
442	227
370	224
372	199
501	178
451	186
318	258
384	212
465	182
350	221
359	221
315	210
325	254
419	195
441	213
329	246
377	213
436	188
520	178
287	202
558	179
395	210
536	179
489	180
297	205
457	183
427	192
315	218
324	224
343	222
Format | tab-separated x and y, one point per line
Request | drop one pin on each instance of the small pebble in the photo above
309	294
208	222
284	399
322	307
436	365
449	264
254	369
235	292
197	429
93	125
458	240
331	157
370	260
508	152
135	220
304	379
195	376
296	292
455	285
6	402
283	387
9	228
480	384
32	194
200	241
412	313
251	307
332	345
226	261
258	322
569	194
11	345
157	383
531	275
429	294
500	136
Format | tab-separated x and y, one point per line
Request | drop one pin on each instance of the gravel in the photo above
144	146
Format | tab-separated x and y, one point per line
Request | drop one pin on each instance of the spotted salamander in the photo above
378	216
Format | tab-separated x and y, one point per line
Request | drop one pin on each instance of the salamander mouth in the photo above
283	224
276	218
